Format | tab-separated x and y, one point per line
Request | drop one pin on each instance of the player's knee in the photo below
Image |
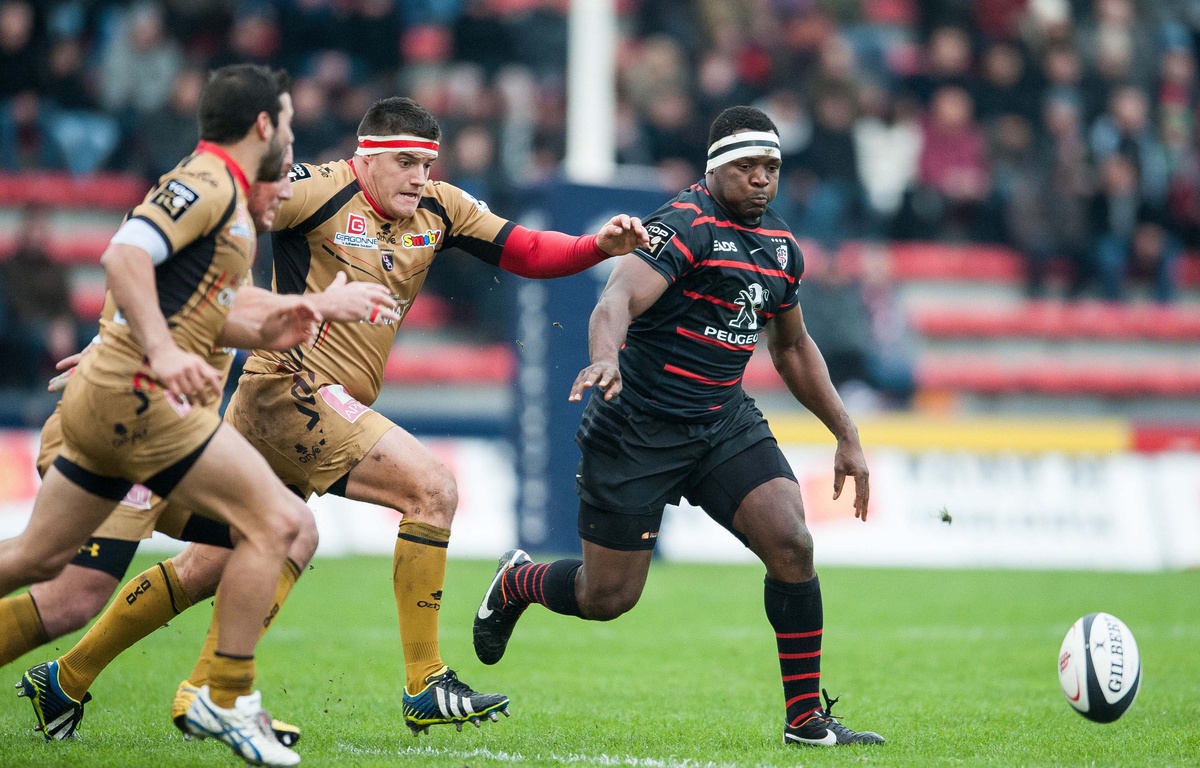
199	568
305	545
436	496
606	604
82	606
281	527
791	556
40	567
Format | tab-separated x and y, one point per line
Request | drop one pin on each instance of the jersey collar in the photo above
367	194
230	163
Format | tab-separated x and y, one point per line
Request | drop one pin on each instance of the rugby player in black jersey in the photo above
669	341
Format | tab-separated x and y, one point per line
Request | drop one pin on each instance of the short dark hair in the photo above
737	119
234	96
398	115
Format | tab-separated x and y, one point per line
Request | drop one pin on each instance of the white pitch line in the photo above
518	757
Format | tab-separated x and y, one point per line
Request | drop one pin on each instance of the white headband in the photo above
746	144
374	145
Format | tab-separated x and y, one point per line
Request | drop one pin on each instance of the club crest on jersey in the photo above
355	235
660	234
388	263
781	255
420	239
751	299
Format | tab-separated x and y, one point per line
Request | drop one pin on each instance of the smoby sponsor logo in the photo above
355	235
424	239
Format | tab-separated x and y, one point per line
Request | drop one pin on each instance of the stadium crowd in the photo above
1064	128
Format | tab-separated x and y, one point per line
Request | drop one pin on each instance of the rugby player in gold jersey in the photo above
376	218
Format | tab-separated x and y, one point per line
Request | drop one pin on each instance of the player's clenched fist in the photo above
288	326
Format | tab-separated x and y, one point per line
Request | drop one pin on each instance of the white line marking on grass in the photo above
518	757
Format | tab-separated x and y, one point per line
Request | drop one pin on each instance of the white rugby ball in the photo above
1099	667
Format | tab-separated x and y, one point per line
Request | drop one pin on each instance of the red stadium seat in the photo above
112	191
1053	320
451	364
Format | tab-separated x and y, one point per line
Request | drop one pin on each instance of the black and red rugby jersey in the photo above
685	356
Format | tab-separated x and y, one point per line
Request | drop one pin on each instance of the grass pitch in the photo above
953	668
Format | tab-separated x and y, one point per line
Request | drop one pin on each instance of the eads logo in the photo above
355	235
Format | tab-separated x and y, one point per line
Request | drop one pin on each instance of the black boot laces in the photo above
452	684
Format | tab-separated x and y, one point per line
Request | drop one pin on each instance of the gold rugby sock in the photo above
145	603
418	573
21	628
287	580
230	677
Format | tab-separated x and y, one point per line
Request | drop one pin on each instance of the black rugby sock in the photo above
795	613
548	584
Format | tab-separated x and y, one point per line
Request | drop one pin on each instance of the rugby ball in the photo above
1099	668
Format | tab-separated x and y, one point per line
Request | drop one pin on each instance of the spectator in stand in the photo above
1066	78
1127	129
1008	88
1114	32
84	136
139	67
169	132
1132	236
952	170
831	163
315	128
948	65
887	140
1047	212
21	66
39	327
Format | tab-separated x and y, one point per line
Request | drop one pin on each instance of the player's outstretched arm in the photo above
632	288
130	275
540	255
260	319
353	302
803	369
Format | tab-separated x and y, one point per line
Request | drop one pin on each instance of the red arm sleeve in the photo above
530	253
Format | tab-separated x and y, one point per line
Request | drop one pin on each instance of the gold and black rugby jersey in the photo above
330	225
199	208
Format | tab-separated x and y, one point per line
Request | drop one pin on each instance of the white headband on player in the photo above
738	145
374	145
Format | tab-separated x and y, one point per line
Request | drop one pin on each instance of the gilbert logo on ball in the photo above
1099	667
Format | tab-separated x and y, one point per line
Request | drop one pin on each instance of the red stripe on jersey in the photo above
688	374
711	299
683	249
751	268
756	230
687	207
723	345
